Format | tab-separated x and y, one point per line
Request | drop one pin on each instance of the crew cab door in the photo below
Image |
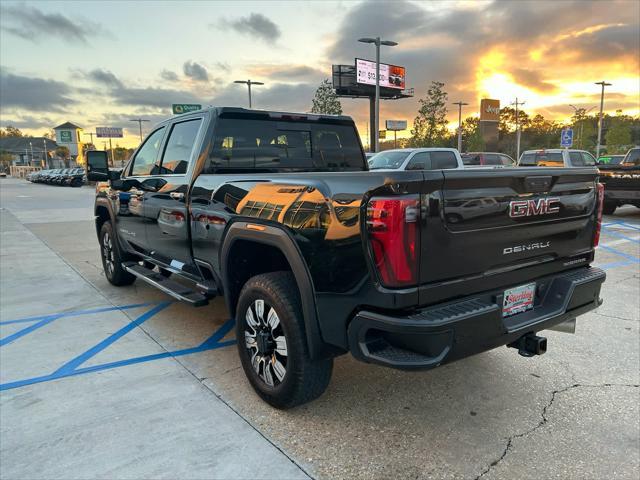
130	215
167	226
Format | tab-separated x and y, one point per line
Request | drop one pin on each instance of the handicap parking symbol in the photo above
566	137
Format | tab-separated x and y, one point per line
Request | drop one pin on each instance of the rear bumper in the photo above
446	332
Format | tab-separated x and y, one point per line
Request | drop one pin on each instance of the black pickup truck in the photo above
621	182
316	256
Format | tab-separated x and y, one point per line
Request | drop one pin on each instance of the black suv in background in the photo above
621	182
316	256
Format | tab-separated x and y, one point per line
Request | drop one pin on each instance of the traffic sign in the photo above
566	137
179	108
382	134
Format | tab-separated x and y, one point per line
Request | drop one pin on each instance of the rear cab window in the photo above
246	143
546	159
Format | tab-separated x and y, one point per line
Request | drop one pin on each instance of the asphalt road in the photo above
87	393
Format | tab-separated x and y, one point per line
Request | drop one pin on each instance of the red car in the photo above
474	159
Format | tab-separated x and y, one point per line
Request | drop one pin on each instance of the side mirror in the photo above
97	166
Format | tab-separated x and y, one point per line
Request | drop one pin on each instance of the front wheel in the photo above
112	258
272	343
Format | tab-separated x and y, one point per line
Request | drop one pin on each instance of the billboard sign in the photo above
396	125
489	110
109	132
180	108
391	76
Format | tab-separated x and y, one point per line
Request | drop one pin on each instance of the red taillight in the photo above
596	236
392	225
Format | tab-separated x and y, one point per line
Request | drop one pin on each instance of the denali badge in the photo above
529	208
525	248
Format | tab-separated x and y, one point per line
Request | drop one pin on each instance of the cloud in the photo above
255	25
169	76
288	72
30	122
224	66
103	77
276	96
32	93
195	71
33	24
152	97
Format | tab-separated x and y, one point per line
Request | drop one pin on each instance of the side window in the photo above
528	159
145	159
471	159
588	159
420	161
576	159
179	148
443	160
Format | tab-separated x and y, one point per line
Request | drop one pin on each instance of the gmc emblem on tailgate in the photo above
530	208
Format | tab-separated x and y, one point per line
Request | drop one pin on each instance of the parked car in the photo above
556	157
610	159
481	159
416	159
316	256
74	178
621	182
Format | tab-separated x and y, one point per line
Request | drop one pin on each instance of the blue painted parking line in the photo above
608	226
614	233
73	367
611	265
75	313
615	251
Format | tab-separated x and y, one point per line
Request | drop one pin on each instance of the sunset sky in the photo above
103	63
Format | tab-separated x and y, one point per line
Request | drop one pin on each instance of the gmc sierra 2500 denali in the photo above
316	256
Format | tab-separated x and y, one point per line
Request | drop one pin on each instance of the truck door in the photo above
130	204
165	206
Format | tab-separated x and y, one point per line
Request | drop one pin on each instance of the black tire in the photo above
303	379
112	258
609	207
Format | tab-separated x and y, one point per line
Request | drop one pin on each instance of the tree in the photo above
472	140
325	100
87	147
618	135
62	152
430	125
10	131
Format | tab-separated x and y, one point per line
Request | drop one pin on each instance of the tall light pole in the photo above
91	134
248	83
46	153
377	41
460	104
516	103
139	120
604	84
31	147
580	114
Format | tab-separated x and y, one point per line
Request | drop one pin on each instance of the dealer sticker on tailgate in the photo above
518	299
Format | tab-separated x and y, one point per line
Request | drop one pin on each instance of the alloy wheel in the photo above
265	340
108	254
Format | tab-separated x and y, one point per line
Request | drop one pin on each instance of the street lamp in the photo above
516	103
581	113
604	84
31	147
248	83
460	104
139	120
376	120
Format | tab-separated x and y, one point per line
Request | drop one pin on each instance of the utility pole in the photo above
460	104
139	120
581	114
516	103
377	41
91	134
248	83
604	84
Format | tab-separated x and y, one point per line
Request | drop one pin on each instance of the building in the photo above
28	151
70	135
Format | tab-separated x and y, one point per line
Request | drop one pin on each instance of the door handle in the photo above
177	195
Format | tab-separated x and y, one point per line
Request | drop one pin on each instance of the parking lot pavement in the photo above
572	413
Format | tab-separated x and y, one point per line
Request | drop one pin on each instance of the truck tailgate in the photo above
484	223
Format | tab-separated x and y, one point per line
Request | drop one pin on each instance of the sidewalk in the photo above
149	420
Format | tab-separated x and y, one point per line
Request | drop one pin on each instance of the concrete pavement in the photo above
571	413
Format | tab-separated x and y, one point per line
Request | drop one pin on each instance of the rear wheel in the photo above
272	342
609	207
112	258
